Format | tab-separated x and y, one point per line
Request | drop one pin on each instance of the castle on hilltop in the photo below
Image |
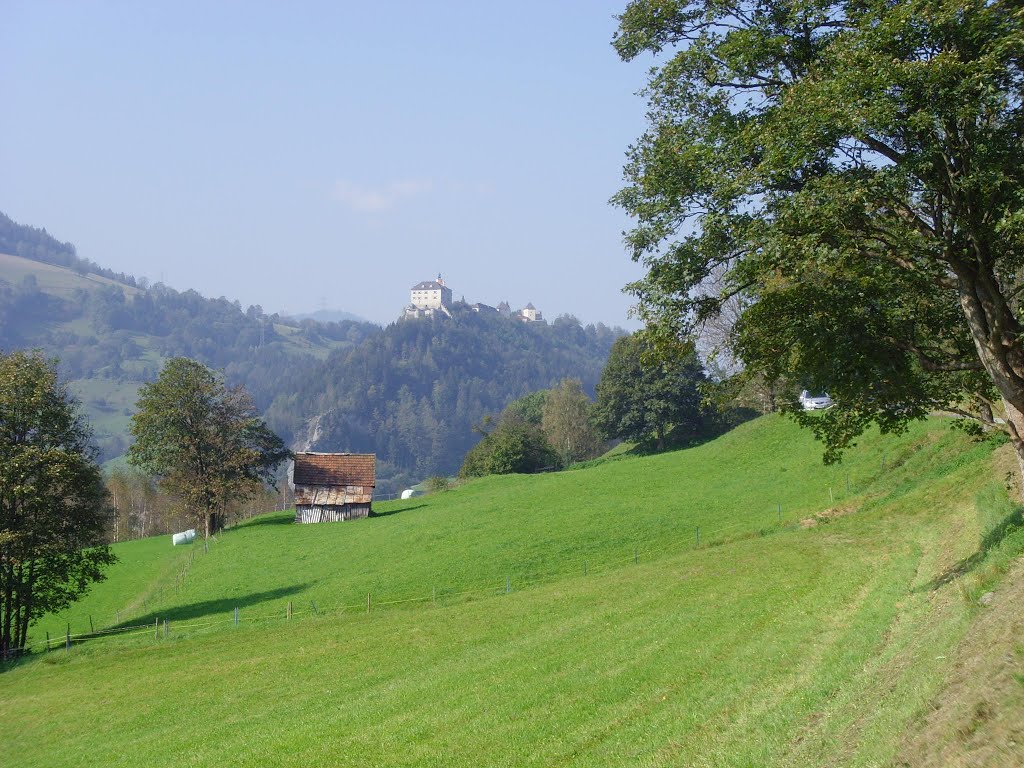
434	297
429	297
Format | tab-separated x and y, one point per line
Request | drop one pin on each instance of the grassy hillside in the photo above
823	639
53	279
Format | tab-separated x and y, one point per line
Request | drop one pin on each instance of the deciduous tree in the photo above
856	169
203	440
53	504
644	399
512	447
566	421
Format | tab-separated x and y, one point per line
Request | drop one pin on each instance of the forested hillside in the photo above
411	392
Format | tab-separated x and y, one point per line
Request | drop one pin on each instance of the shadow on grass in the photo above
396	511
1004	528
215	607
277	518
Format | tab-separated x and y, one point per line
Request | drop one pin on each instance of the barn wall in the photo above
329	514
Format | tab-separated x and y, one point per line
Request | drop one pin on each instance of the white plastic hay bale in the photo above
410	493
185	537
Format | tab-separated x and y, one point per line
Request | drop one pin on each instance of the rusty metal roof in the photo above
357	469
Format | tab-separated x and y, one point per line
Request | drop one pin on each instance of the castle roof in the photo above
429	285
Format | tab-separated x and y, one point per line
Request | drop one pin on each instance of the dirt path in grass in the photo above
978	717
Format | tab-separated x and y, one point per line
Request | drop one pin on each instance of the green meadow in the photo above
563	619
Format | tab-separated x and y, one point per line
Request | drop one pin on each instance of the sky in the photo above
309	155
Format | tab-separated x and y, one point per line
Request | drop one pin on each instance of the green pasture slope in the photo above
566	619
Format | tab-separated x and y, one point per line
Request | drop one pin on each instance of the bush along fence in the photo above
160	627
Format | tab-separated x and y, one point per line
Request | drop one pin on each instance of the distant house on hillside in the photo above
483	309
330	487
429	297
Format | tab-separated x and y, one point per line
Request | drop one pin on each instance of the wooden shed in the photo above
333	486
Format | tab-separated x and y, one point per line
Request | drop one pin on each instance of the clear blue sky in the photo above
303	155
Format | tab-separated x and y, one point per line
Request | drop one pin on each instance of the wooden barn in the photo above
333	486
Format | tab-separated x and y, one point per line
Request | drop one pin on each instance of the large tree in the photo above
203	439
567	423
53	504
856	171
648	400
511	447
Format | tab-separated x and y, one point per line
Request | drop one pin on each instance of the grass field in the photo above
51	278
822	639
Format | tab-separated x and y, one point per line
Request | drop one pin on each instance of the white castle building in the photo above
429	297
432	296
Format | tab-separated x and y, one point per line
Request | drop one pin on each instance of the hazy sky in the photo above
307	155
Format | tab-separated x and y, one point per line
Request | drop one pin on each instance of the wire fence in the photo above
166	626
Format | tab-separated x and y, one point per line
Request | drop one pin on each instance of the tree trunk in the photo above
986	414
8	610
996	333
1015	425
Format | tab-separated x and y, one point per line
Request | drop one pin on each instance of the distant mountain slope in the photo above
39	245
328	316
112	336
411	392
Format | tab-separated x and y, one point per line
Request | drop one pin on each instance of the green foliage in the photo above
203	439
644	399
566	421
414	393
411	393
528	409
512	447
53	506
853	174
437	484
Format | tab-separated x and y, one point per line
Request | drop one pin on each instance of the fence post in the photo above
315	611
584	567
780	511
698	535
236	616
67	639
831	499
508	584
636	556
156	628
289	609
47	642
367	602
92	629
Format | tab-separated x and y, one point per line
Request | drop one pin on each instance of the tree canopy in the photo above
854	170
203	439
53	505
511	447
645	399
566	420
